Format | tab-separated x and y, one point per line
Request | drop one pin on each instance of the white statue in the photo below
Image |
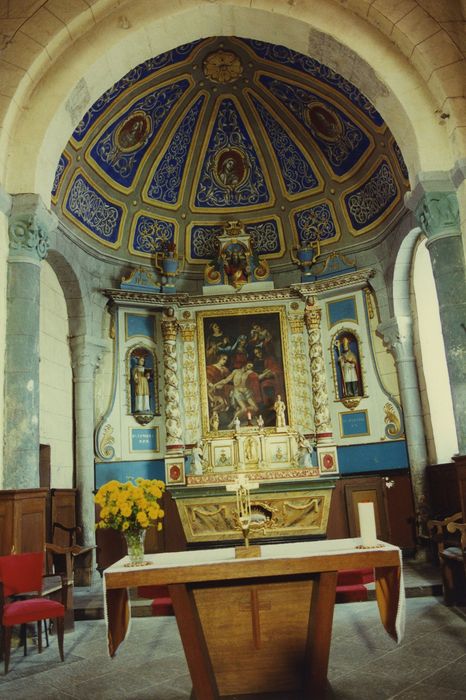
237	424
260	422
304	451
279	408
197	466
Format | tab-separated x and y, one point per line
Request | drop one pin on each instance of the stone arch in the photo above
57	92
72	290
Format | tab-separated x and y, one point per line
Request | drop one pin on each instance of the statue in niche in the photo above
348	366
142	384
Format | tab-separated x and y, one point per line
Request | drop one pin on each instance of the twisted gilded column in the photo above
312	318
170	328
29	226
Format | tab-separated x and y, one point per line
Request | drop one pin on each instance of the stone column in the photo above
312	318
397	334
436	208
86	354
174	442
29	227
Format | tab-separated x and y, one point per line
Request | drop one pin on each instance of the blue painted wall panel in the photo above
375	457
123	471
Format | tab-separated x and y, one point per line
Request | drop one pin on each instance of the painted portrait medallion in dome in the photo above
133	131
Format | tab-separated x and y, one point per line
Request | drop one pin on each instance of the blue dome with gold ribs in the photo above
222	129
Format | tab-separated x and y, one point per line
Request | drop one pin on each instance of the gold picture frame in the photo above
257	337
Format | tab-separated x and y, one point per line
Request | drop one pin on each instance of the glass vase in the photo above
135	544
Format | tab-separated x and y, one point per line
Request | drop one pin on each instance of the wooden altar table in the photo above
257	626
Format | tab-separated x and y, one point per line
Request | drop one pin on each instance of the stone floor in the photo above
365	664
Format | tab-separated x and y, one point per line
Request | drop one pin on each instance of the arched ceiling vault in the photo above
59	59
226	129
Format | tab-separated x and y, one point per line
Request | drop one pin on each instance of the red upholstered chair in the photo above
21	578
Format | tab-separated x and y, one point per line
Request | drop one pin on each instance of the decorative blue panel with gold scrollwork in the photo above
231	175
342	142
63	163
300	62
265	239
315	223
135	75
368	202
150	235
167	179
295	169
121	147
93	212
400	160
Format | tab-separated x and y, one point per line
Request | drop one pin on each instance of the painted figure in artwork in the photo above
349	366
279	408
141	378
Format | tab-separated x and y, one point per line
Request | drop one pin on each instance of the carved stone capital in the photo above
29	228
438	214
397	334
86	356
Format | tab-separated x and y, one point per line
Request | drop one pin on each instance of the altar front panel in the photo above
208	518
255	659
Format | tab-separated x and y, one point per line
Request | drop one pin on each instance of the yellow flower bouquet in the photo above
130	508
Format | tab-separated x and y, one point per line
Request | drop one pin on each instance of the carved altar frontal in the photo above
287	513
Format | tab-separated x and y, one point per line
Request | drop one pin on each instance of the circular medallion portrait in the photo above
222	67
230	169
324	121
132	133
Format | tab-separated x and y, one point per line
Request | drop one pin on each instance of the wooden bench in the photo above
449	537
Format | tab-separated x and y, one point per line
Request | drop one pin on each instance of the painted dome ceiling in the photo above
227	129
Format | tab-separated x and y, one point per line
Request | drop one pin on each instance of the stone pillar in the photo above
312	318
397	334
29	227
85	358
174	442
436	208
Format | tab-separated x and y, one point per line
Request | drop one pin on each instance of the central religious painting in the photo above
242	367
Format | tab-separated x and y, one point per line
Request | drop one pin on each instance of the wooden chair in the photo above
67	558
21	600
449	537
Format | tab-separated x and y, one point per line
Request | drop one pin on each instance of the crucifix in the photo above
242	486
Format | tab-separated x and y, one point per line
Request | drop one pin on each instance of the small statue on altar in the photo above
237	424
279	408
304	451
260	422
197	465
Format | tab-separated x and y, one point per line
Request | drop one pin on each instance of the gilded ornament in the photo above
106	444
392	421
222	67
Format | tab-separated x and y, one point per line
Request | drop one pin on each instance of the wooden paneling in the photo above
22	520
255	659
393	507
